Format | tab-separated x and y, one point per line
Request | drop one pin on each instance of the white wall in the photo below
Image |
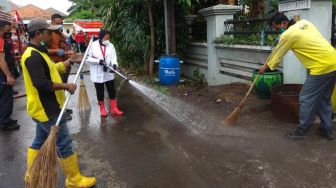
196	58
237	62
320	14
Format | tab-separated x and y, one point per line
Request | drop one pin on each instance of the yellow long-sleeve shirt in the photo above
309	46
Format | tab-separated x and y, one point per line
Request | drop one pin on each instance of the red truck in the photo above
89	26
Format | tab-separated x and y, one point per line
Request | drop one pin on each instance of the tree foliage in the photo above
129	23
82	14
258	8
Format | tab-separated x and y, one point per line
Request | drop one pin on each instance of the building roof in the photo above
54	11
6	17
30	11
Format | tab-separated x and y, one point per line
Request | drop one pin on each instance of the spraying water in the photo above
198	121
120	86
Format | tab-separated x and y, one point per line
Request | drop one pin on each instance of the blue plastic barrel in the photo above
169	73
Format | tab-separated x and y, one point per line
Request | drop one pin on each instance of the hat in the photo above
40	23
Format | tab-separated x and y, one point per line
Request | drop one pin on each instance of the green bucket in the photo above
265	82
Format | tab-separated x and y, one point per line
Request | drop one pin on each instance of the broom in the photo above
43	172
233	117
83	99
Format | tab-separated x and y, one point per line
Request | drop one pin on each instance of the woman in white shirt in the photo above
103	53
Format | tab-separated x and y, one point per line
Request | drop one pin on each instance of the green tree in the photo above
138	35
82	14
256	7
152	37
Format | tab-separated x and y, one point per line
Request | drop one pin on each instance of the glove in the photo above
102	62
61	52
114	66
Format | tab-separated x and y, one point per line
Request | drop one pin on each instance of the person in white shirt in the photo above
102	53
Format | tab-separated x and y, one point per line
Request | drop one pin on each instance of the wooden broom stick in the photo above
234	115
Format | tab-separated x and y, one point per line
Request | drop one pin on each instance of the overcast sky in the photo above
61	5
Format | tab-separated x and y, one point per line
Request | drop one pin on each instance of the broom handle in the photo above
242	102
75	80
19	96
117	72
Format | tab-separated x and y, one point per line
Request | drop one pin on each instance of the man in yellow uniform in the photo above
319	58
45	98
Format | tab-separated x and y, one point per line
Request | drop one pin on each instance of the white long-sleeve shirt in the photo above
97	73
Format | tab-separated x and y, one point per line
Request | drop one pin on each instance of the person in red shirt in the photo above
10	57
80	39
7	81
10	54
87	39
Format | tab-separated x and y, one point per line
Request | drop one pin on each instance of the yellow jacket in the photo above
309	46
40	72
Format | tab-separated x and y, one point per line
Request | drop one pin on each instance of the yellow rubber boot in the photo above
31	156
73	177
333	100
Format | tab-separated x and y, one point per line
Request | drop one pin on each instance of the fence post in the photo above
216	16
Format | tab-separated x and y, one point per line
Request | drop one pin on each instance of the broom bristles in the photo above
43	172
233	117
83	99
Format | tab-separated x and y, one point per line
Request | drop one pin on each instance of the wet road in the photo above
146	147
170	144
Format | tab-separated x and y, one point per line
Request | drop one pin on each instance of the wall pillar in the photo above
216	16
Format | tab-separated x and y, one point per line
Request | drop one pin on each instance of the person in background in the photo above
319	58
58	51
74	44
45	97
7	80
87	40
102	53
10	57
68	39
80	40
